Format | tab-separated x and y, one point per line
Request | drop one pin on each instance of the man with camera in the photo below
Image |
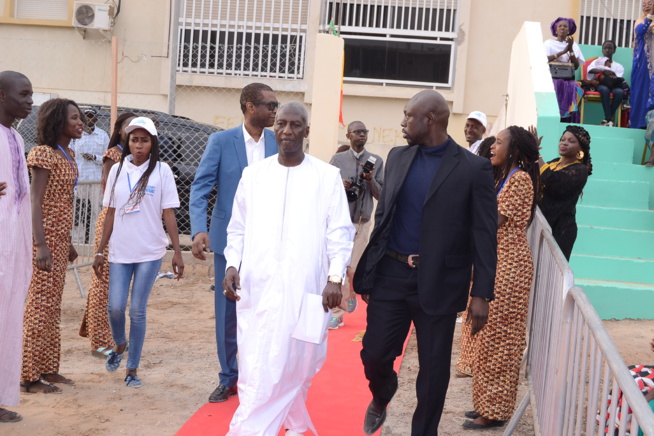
363	176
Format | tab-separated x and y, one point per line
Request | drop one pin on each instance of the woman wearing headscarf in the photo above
562	181
141	191
54	180
641	71
563	48
497	348
95	322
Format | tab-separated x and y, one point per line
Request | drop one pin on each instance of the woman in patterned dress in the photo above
54	179
95	321
497	349
561	182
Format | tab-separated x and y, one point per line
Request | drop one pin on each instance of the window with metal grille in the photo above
608	19
395	42
248	38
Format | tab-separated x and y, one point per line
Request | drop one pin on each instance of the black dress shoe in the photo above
221	393
472	414
375	417
471	425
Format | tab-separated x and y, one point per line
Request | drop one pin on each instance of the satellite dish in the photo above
85	15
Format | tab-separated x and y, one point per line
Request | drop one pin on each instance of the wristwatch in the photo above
335	279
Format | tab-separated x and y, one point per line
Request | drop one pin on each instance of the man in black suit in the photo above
436	218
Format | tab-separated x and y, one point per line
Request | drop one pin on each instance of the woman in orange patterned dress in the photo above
497	349
54	180
96	321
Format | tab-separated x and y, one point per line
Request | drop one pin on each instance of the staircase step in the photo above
635	219
617	269
619	300
599	133
606	241
622	171
616	193
611	149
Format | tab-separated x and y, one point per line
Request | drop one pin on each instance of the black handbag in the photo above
562	70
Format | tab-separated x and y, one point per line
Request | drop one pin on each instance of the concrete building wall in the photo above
59	61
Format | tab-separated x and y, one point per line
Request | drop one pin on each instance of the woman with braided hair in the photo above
140	191
95	322
562	182
493	355
54	181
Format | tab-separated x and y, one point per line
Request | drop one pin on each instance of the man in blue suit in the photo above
227	154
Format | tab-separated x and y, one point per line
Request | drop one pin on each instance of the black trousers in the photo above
393	306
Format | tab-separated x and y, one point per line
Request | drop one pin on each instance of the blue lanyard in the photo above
129	183
70	162
505	180
119	146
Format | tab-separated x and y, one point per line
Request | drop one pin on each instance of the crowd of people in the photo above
292	246
604	75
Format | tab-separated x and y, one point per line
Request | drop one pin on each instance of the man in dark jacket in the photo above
436	218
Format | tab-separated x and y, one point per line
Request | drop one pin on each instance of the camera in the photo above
357	184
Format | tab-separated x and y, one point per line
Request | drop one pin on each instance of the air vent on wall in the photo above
92	16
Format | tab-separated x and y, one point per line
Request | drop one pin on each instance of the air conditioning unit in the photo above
92	15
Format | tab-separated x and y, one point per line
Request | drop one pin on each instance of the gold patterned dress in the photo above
41	335
95	316
495	353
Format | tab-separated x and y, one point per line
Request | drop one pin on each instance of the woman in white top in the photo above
564	49
141	191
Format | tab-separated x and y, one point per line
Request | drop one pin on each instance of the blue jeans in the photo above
610	107
225	326
120	276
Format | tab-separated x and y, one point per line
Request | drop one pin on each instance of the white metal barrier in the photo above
86	207
573	367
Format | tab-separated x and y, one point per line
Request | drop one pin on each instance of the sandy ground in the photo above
179	370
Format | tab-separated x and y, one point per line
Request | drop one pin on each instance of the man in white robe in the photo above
290	234
16	240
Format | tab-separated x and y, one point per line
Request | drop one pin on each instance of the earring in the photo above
580	155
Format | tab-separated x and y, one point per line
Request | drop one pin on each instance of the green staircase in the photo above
613	257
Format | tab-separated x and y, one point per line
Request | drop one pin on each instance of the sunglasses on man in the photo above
272	105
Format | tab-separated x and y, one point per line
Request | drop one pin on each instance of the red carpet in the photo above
338	397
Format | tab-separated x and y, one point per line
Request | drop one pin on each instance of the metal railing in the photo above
383	36
573	367
86	207
608	19
243	38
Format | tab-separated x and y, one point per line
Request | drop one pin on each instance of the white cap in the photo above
142	123
479	116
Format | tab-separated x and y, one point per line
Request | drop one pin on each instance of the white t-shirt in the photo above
474	148
600	62
139	236
554	46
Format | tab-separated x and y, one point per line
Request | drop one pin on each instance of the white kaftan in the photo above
15	261
290	229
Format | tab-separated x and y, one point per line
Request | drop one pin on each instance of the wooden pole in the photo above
114	81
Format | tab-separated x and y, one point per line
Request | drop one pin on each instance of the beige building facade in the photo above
203	82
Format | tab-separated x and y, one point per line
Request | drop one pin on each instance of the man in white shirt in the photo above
474	130
88	156
288	243
608	74
227	154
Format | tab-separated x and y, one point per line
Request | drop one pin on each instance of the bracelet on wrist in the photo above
99	254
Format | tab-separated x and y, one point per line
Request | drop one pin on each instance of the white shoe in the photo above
293	433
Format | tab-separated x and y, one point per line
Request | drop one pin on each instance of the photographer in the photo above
363	174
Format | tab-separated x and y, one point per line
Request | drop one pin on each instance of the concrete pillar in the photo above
326	95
